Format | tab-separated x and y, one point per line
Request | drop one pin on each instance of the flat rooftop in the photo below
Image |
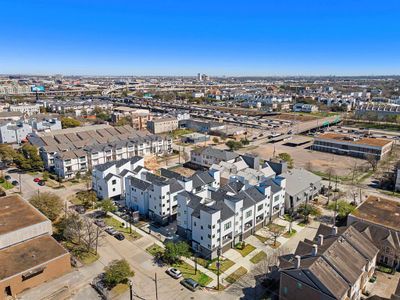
16	213
380	211
352	140
29	254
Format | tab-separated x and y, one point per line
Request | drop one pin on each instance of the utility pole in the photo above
155	282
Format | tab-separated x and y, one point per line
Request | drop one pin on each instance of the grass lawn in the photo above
262	239
88	258
288	234
246	250
232	278
224	265
384	269
179	132
189	272
6	185
212	265
302	224
84	257
117	225
258	257
154	249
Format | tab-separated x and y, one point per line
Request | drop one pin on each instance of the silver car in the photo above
174	273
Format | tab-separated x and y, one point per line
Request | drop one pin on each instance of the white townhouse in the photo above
60	159
14	132
228	215
156	196
108	179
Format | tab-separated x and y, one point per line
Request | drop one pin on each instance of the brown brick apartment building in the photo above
29	255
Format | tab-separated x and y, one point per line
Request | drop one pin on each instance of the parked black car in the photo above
190	284
15	183
119	236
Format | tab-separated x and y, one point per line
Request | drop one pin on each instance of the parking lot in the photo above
304	158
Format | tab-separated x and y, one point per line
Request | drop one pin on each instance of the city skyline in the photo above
165	38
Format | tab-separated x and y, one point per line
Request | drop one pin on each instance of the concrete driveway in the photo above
29	188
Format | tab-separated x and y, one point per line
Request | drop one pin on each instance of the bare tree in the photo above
276	231
73	229
372	160
331	172
91	234
250	284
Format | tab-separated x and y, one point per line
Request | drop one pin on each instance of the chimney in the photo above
314	250
320	240
334	230
298	260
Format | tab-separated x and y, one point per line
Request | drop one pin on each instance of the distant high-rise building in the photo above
199	77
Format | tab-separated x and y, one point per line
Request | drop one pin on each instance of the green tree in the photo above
287	158
233	145
215	140
7	153
87	198
306	210
107	205
28	158
342	208
49	204
118	271
67	122
174	251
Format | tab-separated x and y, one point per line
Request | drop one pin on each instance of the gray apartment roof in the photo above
155	179
109	176
233	187
213	207
201	179
252	193
171	174
298	180
139	184
174	186
275	188
117	163
217	153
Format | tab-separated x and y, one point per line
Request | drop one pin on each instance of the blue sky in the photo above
166	37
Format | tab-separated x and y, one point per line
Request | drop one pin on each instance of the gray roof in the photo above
201	179
139	184
298	180
174	186
275	188
109	176
233	187
117	163
223	155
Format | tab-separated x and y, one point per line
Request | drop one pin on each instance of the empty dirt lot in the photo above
320	161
